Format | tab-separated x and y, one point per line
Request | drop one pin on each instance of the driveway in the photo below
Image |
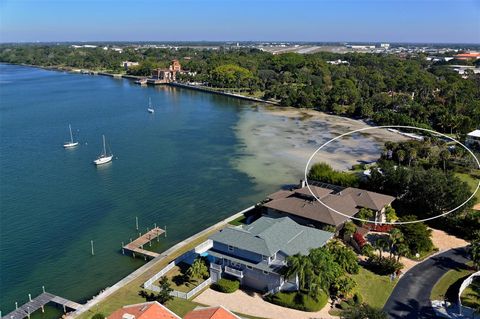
251	303
411	297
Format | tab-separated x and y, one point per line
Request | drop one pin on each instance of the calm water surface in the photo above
172	168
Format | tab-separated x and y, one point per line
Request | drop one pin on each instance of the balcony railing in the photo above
216	267
234	272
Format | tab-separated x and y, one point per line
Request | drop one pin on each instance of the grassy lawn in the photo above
471	295
177	279
472	183
239	221
374	289
452	277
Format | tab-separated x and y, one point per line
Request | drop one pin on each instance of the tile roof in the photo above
347	201
267	236
147	310
211	313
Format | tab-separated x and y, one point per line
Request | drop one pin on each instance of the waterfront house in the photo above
146	310
255	254
303	207
211	313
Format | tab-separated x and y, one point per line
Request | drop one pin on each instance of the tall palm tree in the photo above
412	155
444	156
299	265
395	237
400	156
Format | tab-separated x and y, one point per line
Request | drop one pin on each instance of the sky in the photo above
425	21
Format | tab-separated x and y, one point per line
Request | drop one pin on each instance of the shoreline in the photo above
108	291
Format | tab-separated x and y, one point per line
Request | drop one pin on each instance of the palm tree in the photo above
400	156
197	270
402	250
475	250
381	244
299	265
396	237
444	156
412	155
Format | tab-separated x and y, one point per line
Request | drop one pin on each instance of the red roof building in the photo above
211	313
147	310
468	56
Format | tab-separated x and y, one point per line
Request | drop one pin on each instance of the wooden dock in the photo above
136	246
38	303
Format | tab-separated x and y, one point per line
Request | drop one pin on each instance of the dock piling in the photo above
16	305
43	289
91	243
123	251
30	297
165	231
136	222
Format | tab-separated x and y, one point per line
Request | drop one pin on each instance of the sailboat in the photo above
104	157
71	143
150	108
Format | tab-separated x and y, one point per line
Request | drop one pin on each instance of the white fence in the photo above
150	283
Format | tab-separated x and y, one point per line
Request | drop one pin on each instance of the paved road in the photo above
411	297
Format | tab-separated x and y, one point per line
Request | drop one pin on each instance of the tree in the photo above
396	238
300	266
349	229
165	290
444	156
197	270
343	286
400	156
98	316
344	256
390	214
363	311
365	214
412	155
417	236
475	249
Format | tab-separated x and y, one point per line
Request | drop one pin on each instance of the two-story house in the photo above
256	254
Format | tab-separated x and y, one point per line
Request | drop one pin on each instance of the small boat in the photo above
104	157
150	108
142	81
71	143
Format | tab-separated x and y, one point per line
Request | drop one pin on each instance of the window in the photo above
249	267
265	272
230	248
265	258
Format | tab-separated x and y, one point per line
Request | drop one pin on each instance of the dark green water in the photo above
172	168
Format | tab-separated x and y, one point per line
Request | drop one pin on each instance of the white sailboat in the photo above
150	108
104	157
71	143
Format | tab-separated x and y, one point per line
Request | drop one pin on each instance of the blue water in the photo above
171	168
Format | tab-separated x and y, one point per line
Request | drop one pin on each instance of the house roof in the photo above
146	310
267	236
211	313
475	133
347	201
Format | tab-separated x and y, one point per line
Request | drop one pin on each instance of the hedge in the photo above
226	285
298	300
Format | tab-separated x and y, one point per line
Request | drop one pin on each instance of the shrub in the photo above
226	285
384	265
357	298
343	305
367	250
359	239
323	172
298	300
98	316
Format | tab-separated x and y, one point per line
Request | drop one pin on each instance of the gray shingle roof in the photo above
267	236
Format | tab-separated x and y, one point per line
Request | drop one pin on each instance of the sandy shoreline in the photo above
278	141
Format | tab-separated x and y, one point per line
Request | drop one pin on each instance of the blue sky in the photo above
241	20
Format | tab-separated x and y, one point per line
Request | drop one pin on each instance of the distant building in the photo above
337	62
468	56
211	313
473	139
255	254
128	64
385	45
169	74
146	310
